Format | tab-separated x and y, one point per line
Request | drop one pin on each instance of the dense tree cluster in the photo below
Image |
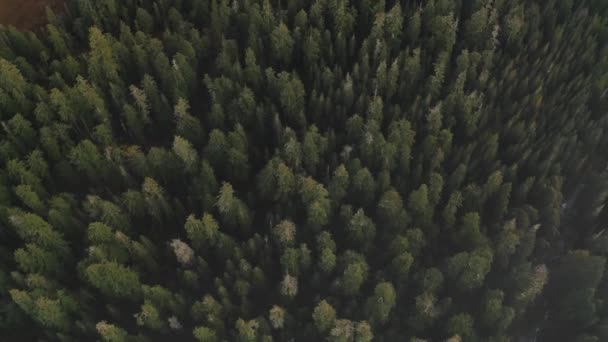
327	170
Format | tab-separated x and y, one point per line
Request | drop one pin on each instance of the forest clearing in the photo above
25	14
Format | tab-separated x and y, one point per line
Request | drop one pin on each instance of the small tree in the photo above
113	279
204	334
379	305
282	43
276	316
324	316
111	333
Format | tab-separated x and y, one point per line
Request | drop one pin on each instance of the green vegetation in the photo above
327	170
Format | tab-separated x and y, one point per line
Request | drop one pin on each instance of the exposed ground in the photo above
25	14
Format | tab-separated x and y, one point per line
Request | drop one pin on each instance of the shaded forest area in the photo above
26	14
327	170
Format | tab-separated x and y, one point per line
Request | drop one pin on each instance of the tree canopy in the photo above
325	170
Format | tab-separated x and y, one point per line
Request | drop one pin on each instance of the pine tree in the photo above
394	170
381	303
324	316
113	279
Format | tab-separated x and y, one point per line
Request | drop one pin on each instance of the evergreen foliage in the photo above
325	170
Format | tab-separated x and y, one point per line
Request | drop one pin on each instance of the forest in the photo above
305	170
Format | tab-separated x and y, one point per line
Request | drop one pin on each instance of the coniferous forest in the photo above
323	170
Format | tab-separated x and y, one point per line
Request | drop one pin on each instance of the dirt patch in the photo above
26	14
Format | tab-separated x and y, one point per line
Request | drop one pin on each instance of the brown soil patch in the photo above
26	14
